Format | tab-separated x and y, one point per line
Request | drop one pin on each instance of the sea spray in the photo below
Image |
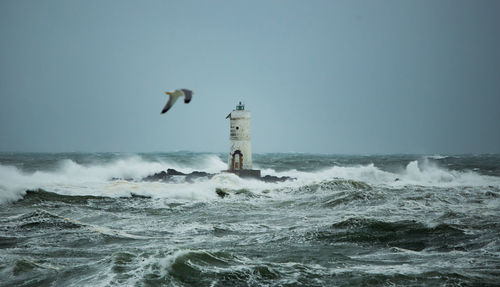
90	219
108	178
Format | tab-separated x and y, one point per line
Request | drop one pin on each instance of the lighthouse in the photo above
240	151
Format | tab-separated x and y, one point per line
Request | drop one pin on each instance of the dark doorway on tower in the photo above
237	162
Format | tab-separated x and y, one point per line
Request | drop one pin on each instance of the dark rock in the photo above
272	178
119	178
492	194
198	174
173	175
222	192
172	171
134	195
247	173
157	176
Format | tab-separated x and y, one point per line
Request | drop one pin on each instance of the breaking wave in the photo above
122	178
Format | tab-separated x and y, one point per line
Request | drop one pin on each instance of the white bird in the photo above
173	96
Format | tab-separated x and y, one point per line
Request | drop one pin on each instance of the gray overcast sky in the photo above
318	76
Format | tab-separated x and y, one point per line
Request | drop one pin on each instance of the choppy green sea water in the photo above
397	220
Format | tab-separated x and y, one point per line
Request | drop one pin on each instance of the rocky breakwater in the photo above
172	175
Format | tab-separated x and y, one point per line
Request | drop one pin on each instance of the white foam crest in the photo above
11	184
71	178
367	173
207	163
199	190
427	173
424	174
132	167
168	261
437	156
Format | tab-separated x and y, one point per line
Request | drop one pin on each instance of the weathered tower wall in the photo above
240	152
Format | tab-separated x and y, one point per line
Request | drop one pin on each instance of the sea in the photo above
91	219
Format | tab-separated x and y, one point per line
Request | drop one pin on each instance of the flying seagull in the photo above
173	96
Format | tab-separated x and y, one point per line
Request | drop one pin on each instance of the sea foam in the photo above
122	177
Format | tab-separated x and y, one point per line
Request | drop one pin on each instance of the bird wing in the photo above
172	98
188	94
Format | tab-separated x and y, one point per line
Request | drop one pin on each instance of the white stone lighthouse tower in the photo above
240	152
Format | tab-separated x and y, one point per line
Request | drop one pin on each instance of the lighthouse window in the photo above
237	128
